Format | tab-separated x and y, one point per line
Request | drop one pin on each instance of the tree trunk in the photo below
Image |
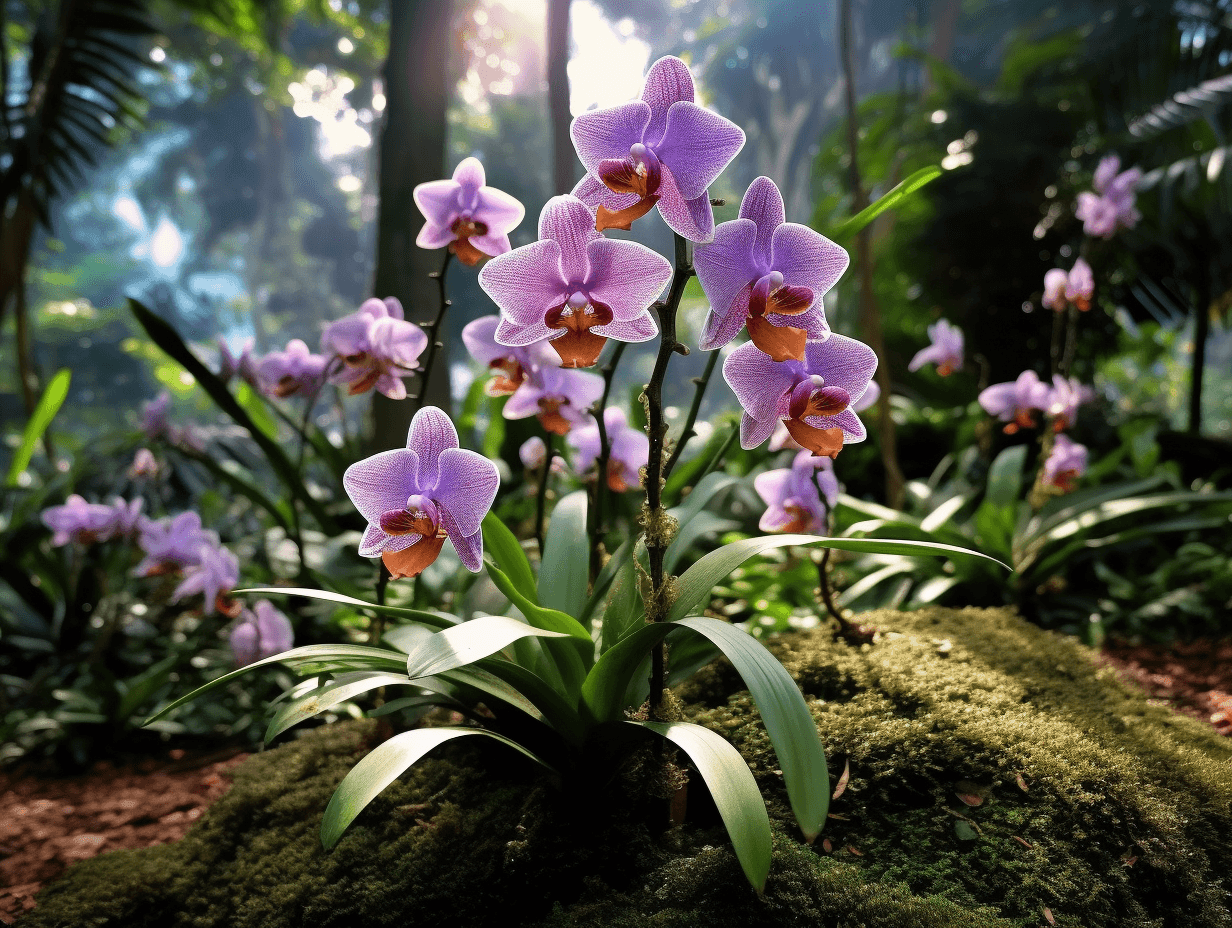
564	161
412	151
870	314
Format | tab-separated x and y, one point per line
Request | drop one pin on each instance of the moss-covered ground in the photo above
997	778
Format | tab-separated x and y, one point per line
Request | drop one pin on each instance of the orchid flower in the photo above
1111	206
945	349
798	497
215	574
1066	396
812	397
171	544
78	521
293	372
663	150
471	218
509	366
243	365
1016	402
628	449
1065	464
761	271
1076	287
560	397
377	346
416	497
156	418
144	464
781	438
575	287
261	635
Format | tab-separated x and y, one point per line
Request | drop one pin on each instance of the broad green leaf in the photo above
694	586
692	518
243	484
555	710
624	606
385	764
422	616
894	198
868	583
318	699
941	516
603	581
476	677
503	547
49	404
312	658
252	403
467	642
733	789
564	571
144	685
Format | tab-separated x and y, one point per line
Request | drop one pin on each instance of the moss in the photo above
943	703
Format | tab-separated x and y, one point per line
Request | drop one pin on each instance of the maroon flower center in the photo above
463	228
578	346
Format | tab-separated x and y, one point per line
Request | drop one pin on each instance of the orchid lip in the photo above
578	300
776	279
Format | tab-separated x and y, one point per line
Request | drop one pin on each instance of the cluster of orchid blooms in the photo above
1104	211
176	546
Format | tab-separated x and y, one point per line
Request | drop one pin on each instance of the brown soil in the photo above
46	824
1194	679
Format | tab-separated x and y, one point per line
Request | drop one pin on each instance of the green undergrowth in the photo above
1124	821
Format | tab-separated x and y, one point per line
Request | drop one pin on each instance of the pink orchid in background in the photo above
945	349
1061	289
575	287
171	544
156	417
1065	464
1016	402
781	438
377	347
629	449
416	497
471	218
812	398
1066	396
509	366
1111	207
144	464
262	632
560	397
243	365
799	497
126	517
762	271
78	521
295	371
663	150
214	575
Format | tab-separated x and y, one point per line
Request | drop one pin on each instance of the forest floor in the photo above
49	823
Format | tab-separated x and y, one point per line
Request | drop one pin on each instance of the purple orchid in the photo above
156	417
377	347
509	366
126	517
415	497
79	521
243	365
812	397
1016	402
171	544
1075	287
663	150
945	349
214	575
261	635
798	498
574	286
1111	207
144	464
1063	401
1065	464
781	438
629	449
560	397
761	271
293	372
471	218
532	453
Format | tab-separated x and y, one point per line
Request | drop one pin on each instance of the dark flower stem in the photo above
701	383
597	526
549	452
297	531
433	329
658	528
827	595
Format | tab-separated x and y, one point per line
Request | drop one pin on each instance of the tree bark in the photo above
870	314
411	151
564	162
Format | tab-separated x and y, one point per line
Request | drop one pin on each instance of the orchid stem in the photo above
296	527
658	527
541	503
702	382
597	526
434	330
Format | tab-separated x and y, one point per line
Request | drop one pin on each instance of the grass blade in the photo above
48	405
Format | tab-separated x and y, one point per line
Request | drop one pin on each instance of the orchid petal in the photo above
609	133
431	433
382	482
625	276
763	204
667	82
697	145
469	487
807	258
527	282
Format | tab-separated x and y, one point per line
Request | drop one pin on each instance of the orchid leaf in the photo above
894	198
320	698
693	521
553	708
385	764
733	789
607	574
564	571
49	404
503	548
422	616
467	642
695	585
624	606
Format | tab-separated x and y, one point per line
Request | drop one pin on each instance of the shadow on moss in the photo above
1123	822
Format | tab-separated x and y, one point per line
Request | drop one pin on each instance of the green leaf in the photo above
144	685
733	789
692	518
694	586
320	698
384	765
503	547
48	405
557	712
466	643
894	198
603	581
565	569
252	403
243	484
624	606
431	619
312	658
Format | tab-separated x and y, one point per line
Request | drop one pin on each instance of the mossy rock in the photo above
995	771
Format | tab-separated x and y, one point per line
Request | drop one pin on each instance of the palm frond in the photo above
1184	107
